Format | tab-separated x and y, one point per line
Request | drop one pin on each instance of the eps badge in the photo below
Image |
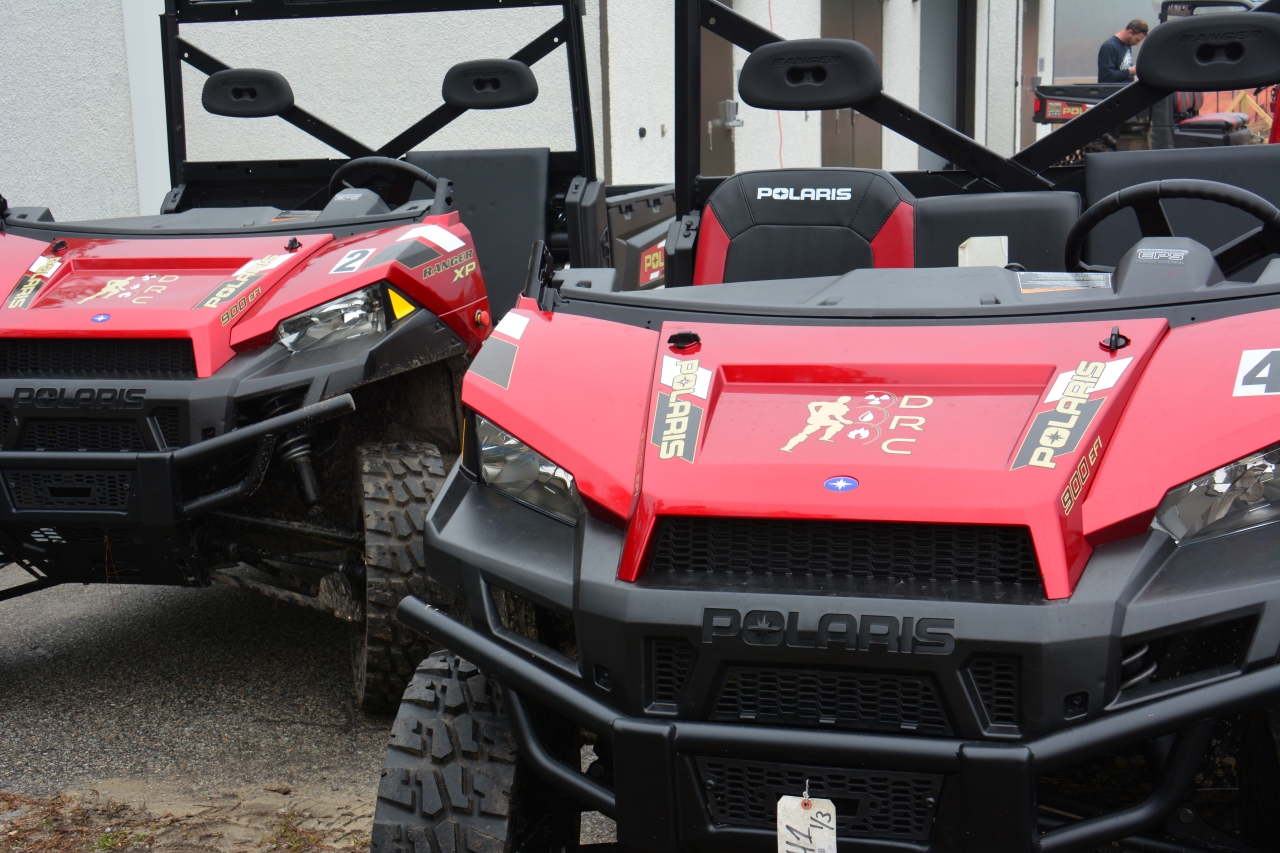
806	825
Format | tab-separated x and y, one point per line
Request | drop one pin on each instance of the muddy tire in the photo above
396	483
449	778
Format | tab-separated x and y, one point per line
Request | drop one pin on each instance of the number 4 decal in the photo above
352	260
1259	373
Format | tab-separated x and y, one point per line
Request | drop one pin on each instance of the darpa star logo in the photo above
806	193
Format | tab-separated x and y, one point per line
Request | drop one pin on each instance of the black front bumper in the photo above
55	504
965	781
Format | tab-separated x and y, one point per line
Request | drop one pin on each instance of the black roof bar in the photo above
211	11
295	115
176	50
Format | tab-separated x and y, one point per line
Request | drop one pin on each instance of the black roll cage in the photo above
986	170
248	179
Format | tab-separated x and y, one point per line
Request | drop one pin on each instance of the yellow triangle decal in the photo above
400	306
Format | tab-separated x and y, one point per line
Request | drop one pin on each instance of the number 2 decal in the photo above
352	260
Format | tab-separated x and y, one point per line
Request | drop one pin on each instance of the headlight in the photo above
350	316
520	472
1235	496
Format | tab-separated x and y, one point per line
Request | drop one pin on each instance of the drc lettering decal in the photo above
677	422
909	635
873	419
138	292
805	194
1057	431
244	278
35	277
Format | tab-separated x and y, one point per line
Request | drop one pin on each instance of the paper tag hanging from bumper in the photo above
806	825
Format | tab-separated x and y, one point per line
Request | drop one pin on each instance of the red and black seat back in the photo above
796	223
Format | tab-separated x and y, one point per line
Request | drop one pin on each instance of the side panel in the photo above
1187	417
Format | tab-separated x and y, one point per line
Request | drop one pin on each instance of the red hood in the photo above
959	424
224	293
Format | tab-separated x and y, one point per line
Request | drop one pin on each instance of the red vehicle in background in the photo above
259	385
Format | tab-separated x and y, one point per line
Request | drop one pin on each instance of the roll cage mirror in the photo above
1212	53
810	74
489	84
247	93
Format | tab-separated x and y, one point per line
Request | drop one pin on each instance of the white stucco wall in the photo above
85	135
65	122
998	62
901	72
1044	65
641	91
772	139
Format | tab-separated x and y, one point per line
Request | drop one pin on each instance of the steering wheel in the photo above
1232	257
442	187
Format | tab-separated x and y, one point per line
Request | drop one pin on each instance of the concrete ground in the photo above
229	712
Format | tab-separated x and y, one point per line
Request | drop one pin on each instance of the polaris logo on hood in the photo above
806	193
907	635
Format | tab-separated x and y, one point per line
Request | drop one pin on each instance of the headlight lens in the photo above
1235	496
520	472
347	317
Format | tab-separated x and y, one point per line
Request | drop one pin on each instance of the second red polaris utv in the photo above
258	386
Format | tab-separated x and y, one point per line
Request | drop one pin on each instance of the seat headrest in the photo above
246	93
810	74
1212	53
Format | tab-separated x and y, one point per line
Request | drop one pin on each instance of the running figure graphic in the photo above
824	415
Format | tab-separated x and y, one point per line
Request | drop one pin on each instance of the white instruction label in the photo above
806	825
1044	282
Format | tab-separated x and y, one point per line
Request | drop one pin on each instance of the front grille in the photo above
949	552
91	490
166	418
839	699
90	358
869	804
90	435
6	420
995	679
672	659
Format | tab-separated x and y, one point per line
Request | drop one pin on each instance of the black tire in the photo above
450	771
397	483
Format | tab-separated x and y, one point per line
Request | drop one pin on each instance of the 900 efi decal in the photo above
231	293
1057	431
677	422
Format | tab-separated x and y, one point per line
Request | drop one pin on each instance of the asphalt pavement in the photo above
208	691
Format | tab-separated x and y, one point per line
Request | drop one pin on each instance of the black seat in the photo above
1036	224
501	195
794	223
1252	167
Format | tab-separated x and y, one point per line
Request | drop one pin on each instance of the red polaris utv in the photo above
259	385
955	557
